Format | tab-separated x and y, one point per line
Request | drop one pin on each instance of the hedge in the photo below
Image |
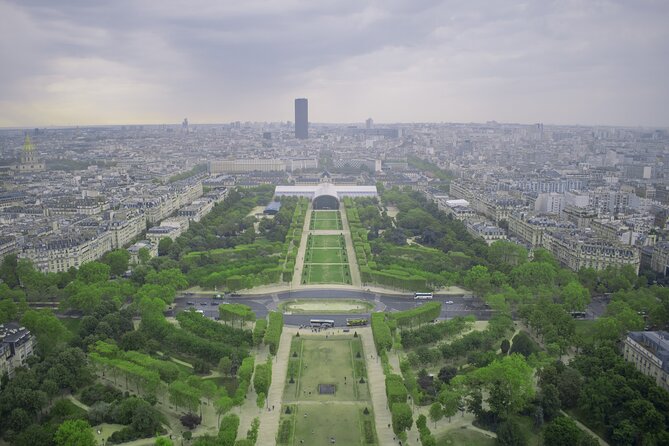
425	313
273	332
396	391
259	331
244	374
263	377
228	432
381	332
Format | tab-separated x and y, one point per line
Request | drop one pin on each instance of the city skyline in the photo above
586	63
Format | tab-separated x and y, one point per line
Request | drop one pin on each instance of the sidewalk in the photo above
350	252
302	250
249	410
377	388
269	420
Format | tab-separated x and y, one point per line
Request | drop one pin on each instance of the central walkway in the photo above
269	420
377	388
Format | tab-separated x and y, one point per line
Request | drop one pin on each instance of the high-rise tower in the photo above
301	118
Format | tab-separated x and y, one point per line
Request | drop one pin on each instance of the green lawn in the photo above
326	241
326	255
325	221
325	361
464	437
315	273
317	418
326	225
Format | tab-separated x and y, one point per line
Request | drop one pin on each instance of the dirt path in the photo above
352	259
302	250
269	419
377	388
249	410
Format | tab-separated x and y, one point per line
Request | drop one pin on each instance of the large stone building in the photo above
649	351
16	345
326	195
29	162
247	165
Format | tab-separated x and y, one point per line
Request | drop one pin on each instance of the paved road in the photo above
263	303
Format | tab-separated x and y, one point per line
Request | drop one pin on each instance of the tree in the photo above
436	413
93	272
164	246
143	255
162	441
222	406
118	261
450	402
575	296
509	433
505	346
561	431
75	433
447	373
550	401
523	344
47	328
508	382
225	365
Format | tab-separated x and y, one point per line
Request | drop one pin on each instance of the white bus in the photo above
324	323
422	296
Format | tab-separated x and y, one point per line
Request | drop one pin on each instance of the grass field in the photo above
326	255
326	260
323	306
465	437
326	241
315	273
325	221
317	418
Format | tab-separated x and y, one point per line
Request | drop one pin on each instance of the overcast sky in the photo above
78	62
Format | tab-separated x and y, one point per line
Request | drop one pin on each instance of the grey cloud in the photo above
245	60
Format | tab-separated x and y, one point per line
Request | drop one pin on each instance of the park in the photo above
326	396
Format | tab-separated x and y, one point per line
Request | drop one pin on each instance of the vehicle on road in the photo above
449	302
204	304
322	323
423	296
218	296
190	302
351	322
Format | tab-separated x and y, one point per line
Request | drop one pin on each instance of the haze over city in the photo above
77	62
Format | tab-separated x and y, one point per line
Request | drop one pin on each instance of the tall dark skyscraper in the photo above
301	118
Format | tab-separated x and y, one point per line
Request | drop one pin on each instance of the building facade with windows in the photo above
649	352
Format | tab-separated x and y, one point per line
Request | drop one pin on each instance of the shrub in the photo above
381	332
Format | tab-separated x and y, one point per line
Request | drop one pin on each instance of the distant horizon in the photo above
324	123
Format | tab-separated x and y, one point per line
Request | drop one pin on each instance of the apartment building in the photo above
530	227
649	352
576	250
488	232
659	261
16	345
60	253
124	231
